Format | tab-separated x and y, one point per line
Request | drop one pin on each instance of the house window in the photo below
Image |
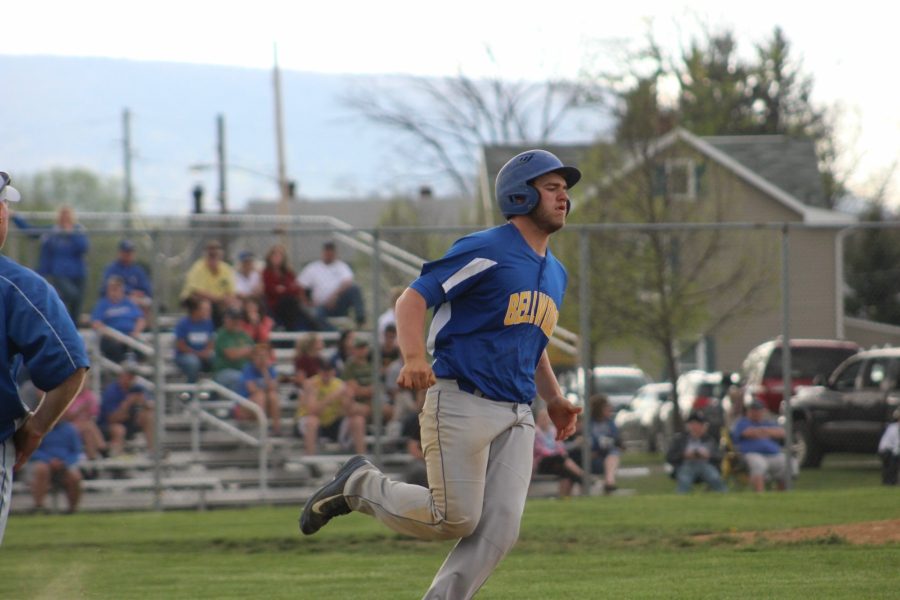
677	179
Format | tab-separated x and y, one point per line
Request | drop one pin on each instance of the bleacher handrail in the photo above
197	414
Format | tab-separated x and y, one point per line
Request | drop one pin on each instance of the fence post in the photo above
159	404
585	357
377	384
786	354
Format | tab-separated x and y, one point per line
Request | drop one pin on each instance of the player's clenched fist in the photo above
416	374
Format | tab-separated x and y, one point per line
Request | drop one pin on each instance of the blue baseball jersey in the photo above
496	303
35	326
121	316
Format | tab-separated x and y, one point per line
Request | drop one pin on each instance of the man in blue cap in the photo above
137	283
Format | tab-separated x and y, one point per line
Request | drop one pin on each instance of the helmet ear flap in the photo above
523	199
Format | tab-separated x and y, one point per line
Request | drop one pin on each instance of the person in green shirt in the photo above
233	348
357	374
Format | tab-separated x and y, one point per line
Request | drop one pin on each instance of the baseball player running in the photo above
496	296
34	324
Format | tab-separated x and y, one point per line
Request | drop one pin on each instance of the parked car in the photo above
700	390
761	372
639	421
620	384
850	412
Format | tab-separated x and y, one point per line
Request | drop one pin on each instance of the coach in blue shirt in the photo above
36	326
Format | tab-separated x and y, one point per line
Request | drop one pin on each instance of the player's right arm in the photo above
410	312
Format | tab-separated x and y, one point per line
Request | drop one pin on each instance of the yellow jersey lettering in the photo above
543	303
532	307
524	307
511	310
548	324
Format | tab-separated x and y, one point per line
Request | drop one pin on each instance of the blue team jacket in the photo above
35	326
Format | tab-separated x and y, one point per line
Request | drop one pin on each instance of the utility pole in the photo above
283	184
221	165
127	154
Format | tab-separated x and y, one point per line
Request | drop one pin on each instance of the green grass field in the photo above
638	546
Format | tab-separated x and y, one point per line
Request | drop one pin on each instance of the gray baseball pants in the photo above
7	461
478	453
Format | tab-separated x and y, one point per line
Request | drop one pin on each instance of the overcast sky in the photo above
847	49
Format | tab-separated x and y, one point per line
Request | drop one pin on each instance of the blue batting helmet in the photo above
515	194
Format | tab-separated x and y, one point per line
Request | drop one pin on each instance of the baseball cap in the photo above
126	245
234	313
245	255
360	342
757	404
7	191
696	415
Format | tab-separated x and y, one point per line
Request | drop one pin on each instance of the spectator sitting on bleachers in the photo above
695	455
211	278
125	409
330	281
390	351
344	351
388	317
255	322
285	299
551	457
194	339
357	375
58	455
137	283
82	413
233	348
321	412
116	311
247	278
606	443
307	357
259	384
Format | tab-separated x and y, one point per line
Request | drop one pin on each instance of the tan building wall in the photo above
812	273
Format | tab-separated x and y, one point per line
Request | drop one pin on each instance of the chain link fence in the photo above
665	298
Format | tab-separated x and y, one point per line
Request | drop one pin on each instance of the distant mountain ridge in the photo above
57	111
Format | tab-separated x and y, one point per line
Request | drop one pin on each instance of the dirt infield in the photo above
868	533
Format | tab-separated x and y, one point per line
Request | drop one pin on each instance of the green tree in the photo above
80	188
720	93
714	87
872	265
660	288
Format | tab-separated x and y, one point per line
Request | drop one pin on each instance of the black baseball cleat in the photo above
329	502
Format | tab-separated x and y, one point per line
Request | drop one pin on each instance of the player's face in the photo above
550	213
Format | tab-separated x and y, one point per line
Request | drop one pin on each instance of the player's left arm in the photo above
54	403
562	412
